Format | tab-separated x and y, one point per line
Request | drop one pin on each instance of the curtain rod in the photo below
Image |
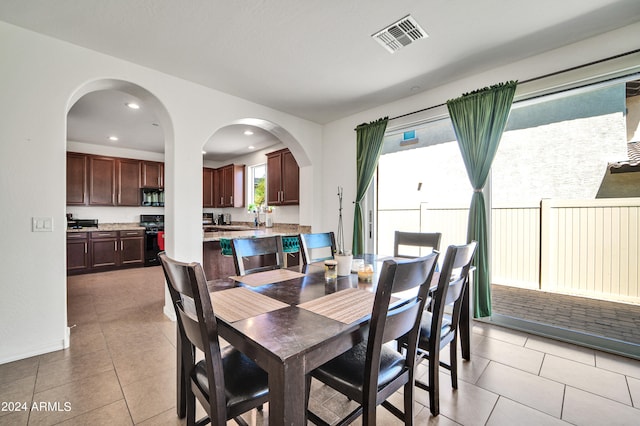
532	79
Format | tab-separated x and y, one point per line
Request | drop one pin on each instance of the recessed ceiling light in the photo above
251	147
248	132
113	138
132	105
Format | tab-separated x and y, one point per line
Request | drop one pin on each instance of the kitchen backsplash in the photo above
112	214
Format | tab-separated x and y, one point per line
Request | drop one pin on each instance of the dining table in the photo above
291	321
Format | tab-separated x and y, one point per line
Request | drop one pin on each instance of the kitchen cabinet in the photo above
152	174
114	181
78	256
115	249
131	248
208	187
102	181
283	179
77	165
128	182
104	249
230	181
110	181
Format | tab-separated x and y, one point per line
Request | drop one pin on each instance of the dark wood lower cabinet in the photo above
78	252
132	248
215	264
104	250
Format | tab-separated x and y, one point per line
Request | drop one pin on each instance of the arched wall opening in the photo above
232	142
149	101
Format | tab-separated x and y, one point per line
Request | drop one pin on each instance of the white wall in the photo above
339	137
41	78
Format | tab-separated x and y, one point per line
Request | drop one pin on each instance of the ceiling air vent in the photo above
400	34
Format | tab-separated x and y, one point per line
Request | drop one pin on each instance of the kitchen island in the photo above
219	265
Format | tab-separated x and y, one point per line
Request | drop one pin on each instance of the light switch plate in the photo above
41	224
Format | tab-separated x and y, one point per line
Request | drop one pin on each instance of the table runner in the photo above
267	277
345	306
241	303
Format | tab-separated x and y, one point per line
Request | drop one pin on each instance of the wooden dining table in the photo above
291	326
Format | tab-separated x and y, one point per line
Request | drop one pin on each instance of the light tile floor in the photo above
120	370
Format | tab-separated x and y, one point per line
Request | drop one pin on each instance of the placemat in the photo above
241	303
345	306
267	277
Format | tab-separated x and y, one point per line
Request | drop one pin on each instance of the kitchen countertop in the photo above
213	228
110	227
254	233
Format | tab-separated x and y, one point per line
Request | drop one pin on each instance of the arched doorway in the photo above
142	123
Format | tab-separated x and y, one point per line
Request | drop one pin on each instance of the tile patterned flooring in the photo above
120	370
596	317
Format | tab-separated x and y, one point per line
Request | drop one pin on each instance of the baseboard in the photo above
618	347
169	312
67	337
57	346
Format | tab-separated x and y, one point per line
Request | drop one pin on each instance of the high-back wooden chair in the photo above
415	239
317	247
252	255
371	372
439	329
226	382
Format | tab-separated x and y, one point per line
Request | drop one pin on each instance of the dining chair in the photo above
226	382
372	371
415	239
251	255
317	247
439	329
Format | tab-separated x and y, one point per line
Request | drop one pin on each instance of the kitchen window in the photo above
257	182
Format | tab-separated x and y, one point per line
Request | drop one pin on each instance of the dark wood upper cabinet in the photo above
232	185
102	181
152	174
283	178
207	187
128	172
218	198
77	165
227	186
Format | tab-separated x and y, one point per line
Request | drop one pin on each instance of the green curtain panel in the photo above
368	149
479	119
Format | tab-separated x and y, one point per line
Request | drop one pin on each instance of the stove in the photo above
152	225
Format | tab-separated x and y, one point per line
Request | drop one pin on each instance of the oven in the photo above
153	224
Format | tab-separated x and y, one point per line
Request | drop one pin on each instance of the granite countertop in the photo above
254	233
110	227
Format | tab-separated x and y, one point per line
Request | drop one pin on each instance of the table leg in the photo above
287	402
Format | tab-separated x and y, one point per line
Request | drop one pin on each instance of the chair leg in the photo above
190	406
453	363
434	382
408	402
